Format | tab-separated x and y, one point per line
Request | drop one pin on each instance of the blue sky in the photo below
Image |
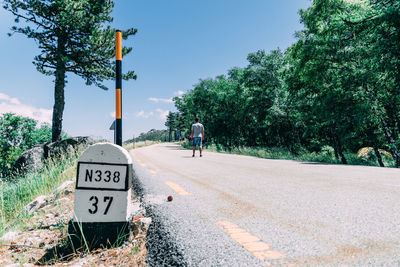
178	42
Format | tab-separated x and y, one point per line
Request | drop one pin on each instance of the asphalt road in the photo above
230	210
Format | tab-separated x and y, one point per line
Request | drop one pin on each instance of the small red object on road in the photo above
170	198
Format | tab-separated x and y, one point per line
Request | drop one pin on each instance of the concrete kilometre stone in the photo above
103	195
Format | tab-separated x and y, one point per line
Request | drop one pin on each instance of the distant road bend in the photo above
231	210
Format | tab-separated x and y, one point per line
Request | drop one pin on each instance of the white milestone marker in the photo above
103	184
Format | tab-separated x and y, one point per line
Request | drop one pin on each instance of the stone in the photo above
10	236
140	226
31	160
103	186
68	146
64	188
103	194
36	204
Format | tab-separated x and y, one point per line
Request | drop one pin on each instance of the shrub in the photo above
18	134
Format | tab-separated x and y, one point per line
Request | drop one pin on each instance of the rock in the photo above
49	216
36	204
31	160
145	223
10	236
61	201
67	192
68	146
34	158
64	188
140	226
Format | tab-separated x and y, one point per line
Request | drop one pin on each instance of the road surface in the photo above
231	210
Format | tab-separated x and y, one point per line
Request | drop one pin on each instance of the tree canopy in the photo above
73	36
338	85
18	134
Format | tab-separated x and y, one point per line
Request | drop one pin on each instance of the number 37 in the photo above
95	202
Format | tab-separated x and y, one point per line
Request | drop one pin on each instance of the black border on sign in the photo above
102	188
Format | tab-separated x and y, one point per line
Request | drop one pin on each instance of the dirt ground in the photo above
43	241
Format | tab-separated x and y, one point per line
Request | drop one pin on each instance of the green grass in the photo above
325	156
16	194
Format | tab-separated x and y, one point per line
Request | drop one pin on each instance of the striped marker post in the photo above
118	87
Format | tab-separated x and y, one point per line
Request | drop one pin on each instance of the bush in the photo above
18	134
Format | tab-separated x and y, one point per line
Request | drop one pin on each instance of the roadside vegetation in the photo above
336	89
18	134
154	135
365	156
16	193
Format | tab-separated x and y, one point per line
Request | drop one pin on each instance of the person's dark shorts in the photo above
197	141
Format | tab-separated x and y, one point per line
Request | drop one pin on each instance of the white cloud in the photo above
7	98
157	99
143	114
179	93
13	105
162	113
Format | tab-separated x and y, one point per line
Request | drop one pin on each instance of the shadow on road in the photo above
317	163
175	147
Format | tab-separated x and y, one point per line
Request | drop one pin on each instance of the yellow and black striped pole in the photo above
118	87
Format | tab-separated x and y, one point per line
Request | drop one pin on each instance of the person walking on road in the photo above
197	135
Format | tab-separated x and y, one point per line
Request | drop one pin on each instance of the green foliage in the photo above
152	135
334	91
18	134
72	33
176	126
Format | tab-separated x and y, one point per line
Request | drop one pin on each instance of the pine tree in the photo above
73	36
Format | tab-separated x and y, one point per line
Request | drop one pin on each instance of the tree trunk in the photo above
343	158
393	148
392	144
58	108
378	155
339	149
335	148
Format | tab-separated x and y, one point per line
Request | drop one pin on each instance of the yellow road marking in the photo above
177	188
250	242
140	163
